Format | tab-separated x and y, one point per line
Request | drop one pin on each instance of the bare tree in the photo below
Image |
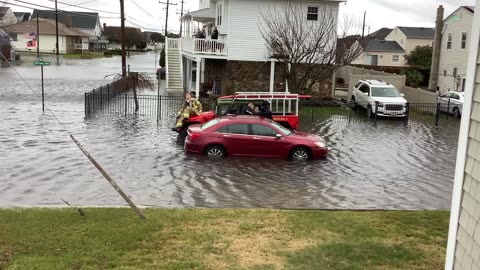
307	44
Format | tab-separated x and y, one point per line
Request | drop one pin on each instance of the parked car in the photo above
391	102
452	102
242	135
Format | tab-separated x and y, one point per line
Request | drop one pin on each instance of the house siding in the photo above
454	57
47	43
384	59
245	40
408	44
467	251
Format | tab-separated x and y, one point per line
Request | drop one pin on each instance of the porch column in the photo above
189	74
197	82
286	81
272	75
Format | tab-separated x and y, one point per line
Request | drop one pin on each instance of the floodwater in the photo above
382	167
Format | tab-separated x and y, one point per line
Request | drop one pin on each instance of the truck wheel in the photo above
353	103
369	112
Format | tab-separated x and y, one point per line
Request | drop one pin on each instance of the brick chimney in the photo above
68	21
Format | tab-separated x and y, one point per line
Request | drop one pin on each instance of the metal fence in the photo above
106	101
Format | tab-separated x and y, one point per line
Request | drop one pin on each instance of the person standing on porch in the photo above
215	33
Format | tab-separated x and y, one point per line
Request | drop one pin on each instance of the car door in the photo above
364	95
265	142
236	139
444	101
455	102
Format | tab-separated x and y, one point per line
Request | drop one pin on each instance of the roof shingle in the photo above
418	32
47	27
374	45
84	20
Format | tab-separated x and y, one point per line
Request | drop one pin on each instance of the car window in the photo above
385	92
210	123
454	96
447	95
358	84
234	129
365	88
261	130
282	129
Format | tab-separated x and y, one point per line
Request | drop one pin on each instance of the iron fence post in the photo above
126	105
85	101
311	110
101	97
407	114
93	97
351	111
437	115
448	109
375	115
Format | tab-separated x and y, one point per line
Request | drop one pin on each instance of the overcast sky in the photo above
150	15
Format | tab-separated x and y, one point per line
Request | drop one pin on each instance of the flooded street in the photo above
382	167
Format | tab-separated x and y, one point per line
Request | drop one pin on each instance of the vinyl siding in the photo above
204	4
467	251
384	59
245	41
454	57
398	36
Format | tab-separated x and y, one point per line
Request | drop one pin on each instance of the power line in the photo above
142	9
49	9
86	8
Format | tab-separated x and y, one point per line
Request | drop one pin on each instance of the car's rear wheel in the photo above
456	112
300	153
215	151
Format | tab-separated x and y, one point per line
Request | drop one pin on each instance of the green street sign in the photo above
41	63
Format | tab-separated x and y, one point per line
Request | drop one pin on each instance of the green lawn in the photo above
221	239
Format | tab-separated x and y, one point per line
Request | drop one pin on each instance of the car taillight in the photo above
194	136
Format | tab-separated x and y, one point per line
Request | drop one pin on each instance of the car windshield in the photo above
385	92
282	129
210	123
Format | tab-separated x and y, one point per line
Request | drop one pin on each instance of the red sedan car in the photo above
243	135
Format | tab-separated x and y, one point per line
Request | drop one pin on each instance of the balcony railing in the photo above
204	46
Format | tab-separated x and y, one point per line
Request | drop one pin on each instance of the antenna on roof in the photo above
363	28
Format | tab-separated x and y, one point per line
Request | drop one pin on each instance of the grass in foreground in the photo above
221	239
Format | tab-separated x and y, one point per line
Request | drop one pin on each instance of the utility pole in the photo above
37	38
124	59
181	15
166	15
363	28
56	31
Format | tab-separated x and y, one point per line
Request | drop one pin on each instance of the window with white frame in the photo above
396	58
312	14
464	41
219	14
449	41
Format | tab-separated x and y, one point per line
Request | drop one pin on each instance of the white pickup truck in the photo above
390	101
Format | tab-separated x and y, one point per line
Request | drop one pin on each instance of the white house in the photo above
410	37
454	52
381	53
239	57
24	37
87	22
463	248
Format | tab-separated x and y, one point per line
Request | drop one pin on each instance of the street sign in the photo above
41	63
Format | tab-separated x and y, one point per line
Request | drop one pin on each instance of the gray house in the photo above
381	53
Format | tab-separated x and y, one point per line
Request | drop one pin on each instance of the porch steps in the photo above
174	65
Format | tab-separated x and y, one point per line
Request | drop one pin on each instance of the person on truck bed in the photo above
265	110
250	110
191	107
